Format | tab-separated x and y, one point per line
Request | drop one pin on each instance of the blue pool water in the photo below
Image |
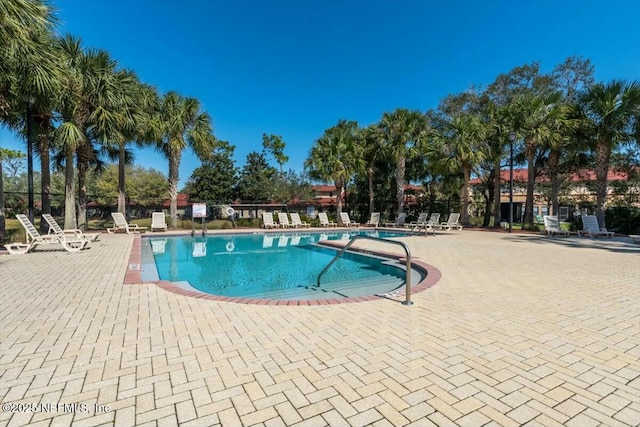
272	265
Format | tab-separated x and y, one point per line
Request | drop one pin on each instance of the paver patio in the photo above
521	329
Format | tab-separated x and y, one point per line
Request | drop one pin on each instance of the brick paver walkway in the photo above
519	330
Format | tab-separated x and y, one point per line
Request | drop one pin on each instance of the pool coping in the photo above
133	276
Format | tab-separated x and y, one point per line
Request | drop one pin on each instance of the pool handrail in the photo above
407	292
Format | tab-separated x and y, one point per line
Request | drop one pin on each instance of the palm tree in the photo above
464	139
372	141
612	112
540	120
178	123
335	156
402	130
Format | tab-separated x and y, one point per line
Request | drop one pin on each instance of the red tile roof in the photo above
586	175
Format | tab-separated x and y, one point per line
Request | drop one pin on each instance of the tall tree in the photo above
372	140
274	145
540	120
256	179
464	139
178	124
335	156
214	180
402	131
611	112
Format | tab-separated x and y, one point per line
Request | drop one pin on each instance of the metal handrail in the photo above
407	292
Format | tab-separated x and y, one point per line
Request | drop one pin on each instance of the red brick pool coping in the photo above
133	276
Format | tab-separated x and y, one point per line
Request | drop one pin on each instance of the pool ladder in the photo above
407	292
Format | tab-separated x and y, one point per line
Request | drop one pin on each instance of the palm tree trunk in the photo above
371	195
554	161
528	211
400	170
45	179
82	195
3	223
121	181
497	187
174	166
69	192
339	185
465	195
603	154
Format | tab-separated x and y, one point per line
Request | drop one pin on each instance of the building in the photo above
576	193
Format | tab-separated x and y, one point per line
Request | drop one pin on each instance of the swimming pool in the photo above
274	266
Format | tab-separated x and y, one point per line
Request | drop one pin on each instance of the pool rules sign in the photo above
199	210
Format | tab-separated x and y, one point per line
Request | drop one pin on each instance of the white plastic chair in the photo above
158	221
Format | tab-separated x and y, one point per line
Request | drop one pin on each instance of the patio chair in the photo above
591	227
34	238
374	220
120	224
297	222
400	221
283	219
158	222
552	226
267	219
422	218
346	221
324	220
54	228
453	222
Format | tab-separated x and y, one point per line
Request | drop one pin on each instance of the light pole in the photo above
28	99
512	137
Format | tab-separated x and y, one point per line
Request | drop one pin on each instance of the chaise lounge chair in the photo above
267	219
120	224
54	228
158	221
374	220
452	222
422	219
552	226
346	221
400	221
297	222
591	227
283	219
324	220
34	239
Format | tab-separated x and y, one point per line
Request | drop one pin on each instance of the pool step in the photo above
341	289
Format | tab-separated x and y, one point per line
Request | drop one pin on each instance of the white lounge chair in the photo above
34	238
324	220
158	221
297	222
452	222
346	221
422	218
552	226
54	228
400	221
283	219
120	224
591	227
267	219
374	220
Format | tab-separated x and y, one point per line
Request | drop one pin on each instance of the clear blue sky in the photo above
295	67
